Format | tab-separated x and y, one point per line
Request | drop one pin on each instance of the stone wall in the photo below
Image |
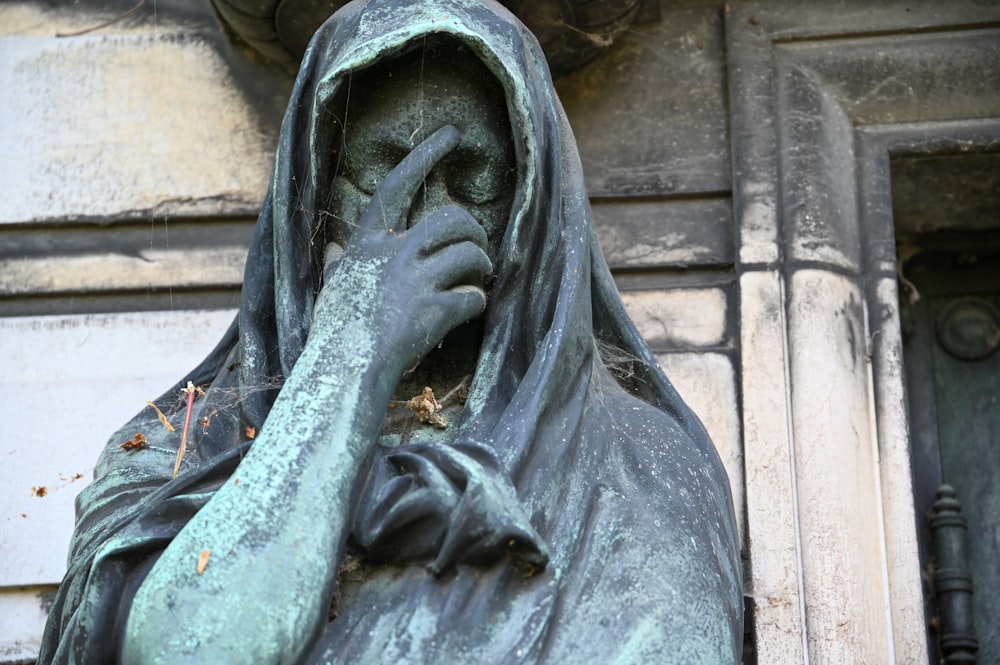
132	165
737	160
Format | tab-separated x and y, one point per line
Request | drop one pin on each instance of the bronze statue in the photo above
427	233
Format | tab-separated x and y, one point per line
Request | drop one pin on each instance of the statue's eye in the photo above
374	162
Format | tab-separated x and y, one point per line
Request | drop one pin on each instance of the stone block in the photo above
127	122
681	318
103	272
71	382
659	233
22	620
646	114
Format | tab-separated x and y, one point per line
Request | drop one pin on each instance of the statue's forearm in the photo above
275	532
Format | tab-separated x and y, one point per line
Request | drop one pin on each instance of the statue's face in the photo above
395	106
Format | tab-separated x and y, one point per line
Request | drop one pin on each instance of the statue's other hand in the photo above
449	503
410	286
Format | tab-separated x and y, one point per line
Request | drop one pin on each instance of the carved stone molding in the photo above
817	106
571	32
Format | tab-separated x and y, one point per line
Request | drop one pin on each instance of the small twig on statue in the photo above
190	390
162	417
458	393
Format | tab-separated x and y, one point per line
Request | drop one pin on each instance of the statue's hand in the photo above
452	503
409	287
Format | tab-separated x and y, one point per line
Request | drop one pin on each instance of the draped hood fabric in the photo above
567	413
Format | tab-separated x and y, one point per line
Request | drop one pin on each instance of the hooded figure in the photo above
564	505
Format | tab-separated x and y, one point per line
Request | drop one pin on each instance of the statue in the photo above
426	242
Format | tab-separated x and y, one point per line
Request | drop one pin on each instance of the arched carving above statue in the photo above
571	32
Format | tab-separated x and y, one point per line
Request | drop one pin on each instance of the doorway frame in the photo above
817	109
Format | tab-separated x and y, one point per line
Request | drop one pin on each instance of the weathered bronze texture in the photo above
953	385
427	228
952	580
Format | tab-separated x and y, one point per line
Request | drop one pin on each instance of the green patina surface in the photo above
427	225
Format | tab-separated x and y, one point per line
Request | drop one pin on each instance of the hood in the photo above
554	308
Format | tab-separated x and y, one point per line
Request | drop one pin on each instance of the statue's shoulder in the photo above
659	445
642	422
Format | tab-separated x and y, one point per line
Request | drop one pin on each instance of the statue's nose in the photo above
433	194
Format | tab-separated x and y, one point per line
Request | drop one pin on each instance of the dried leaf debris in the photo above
427	408
163	419
203	561
135	443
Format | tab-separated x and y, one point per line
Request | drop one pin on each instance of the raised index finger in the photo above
393	196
